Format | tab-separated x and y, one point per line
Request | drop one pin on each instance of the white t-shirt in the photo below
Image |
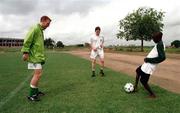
97	41
149	68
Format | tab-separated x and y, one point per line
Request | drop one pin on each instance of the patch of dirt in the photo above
167	74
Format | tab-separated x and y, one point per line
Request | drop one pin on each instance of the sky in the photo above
73	21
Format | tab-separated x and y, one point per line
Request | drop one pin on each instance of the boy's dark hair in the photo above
44	18
157	36
97	28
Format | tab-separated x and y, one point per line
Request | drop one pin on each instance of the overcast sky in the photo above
73	21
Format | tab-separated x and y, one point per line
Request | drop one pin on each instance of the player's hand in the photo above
25	56
145	59
101	46
94	49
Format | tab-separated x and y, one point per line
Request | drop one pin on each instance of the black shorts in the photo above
144	78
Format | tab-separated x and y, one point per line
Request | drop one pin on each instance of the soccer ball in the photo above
128	87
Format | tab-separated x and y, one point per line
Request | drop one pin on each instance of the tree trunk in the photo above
142	43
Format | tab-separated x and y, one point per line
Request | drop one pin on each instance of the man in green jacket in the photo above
33	53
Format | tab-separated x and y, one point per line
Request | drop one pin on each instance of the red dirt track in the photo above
167	74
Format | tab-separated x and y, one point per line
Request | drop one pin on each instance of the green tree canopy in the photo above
176	43
141	24
59	44
49	43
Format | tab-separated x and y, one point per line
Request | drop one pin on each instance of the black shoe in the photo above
135	89
40	93
33	98
93	74
102	73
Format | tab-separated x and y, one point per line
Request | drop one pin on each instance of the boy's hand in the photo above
145	60
25	56
94	49
101	46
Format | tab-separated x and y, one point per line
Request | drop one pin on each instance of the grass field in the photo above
70	89
147	49
126	49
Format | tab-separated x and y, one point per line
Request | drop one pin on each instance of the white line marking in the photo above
13	93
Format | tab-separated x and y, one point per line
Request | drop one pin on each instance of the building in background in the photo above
11	42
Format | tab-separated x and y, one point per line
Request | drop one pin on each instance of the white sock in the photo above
32	86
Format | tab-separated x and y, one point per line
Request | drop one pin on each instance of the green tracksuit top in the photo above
34	45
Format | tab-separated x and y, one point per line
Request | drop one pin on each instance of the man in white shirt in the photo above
97	51
156	56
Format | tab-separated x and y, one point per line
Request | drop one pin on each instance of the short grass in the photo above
70	89
147	49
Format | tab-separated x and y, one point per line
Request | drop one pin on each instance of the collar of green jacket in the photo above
39	25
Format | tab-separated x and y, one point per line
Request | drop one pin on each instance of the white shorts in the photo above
96	54
34	66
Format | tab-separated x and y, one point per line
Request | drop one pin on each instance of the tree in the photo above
176	43
59	44
80	45
49	43
140	25
87	44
